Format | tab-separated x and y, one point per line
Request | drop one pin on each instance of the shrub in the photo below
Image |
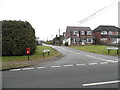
66	43
16	37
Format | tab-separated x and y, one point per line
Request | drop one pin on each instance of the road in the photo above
76	69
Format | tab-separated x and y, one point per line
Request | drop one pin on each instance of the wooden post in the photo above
108	50
118	51
48	52
28	56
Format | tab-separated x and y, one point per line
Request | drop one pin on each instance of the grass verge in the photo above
17	61
98	49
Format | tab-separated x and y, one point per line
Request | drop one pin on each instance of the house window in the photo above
89	33
116	33
82	32
103	32
89	40
114	40
103	39
76	33
74	40
110	32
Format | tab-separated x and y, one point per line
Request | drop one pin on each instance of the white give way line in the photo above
58	66
113	61
101	83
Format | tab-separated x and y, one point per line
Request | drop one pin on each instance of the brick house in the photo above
107	34
78	35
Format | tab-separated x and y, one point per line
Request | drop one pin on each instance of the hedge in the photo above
16	37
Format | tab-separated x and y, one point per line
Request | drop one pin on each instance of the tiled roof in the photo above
106	28
75	28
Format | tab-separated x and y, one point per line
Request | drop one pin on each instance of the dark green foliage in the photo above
66	43
16	37
98	42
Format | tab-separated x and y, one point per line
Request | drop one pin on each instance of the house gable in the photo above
76	34
106	33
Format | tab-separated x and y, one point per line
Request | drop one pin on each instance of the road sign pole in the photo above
48	53
28	56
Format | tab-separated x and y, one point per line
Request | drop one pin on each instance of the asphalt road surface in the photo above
76	69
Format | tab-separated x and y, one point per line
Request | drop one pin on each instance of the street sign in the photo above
46	50
112	48
115	48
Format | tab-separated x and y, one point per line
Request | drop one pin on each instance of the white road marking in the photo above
80	64
90	56
109	60
92	63
27	68
114	61
55	66
103	62
40	67
15	70
100	58
68	65
101	83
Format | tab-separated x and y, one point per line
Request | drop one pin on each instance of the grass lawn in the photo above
37	56
98	49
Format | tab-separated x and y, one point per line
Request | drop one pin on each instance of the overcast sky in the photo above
47	16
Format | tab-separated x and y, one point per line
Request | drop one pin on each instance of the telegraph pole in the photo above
59	32
59	36
51	37
47	38
119	14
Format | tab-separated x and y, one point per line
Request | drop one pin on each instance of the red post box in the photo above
27	51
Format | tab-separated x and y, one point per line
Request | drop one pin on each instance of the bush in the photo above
16	37
66	43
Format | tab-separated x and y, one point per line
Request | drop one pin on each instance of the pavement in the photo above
76	69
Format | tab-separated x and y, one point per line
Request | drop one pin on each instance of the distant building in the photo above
78	35
58	40
107	34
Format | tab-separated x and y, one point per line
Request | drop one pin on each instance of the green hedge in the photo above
16	37
66	43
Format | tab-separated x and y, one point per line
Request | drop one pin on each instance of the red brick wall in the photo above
97	35
114	33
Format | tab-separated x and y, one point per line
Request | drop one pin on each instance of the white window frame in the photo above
74	40
104	33
82	32
89	32
114	40
87	40
110	33
104	39
116	33
76	33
